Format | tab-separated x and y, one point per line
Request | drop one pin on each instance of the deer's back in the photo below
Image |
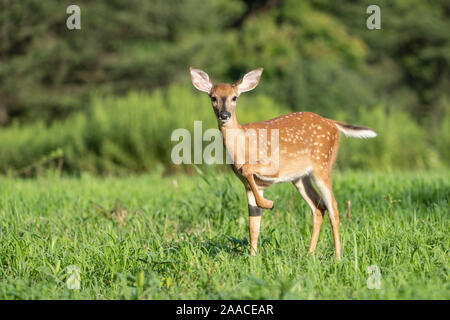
306	141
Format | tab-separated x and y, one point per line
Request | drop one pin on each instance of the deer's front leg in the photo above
254	215
247	172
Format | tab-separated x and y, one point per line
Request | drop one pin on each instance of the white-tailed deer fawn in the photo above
306	148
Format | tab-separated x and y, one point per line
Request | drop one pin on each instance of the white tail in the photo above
355	131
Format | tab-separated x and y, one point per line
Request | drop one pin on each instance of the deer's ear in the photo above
200	80
249	81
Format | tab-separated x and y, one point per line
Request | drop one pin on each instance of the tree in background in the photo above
317	54
48	71
409	58
109	95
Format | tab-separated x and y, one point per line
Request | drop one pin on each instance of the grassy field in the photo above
181	237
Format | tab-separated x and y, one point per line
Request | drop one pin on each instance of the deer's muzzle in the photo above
224	115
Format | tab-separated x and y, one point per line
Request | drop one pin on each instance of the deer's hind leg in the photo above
315	202
323	183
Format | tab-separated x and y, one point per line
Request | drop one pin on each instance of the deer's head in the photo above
223	95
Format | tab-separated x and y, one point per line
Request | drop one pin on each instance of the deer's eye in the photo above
213	99
234	98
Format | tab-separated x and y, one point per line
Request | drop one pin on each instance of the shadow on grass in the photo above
221	244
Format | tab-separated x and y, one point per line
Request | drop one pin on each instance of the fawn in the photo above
305	150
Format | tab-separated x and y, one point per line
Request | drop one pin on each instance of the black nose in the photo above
224	115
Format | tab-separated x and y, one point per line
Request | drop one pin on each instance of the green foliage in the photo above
408	58
442	136
133	134
128	134
401	143
314	52
49	71
181	238
317	56
310	60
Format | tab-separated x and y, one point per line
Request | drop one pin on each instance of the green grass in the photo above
185	237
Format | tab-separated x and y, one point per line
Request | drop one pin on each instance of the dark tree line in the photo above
317	54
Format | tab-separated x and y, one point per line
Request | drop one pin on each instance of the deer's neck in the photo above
231	126
230	131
